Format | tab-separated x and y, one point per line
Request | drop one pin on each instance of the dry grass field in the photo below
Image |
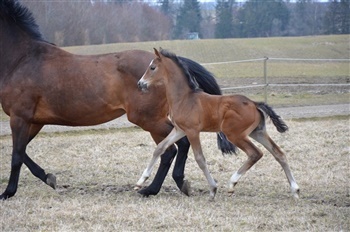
96	172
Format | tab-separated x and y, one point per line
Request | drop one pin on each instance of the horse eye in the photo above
153	67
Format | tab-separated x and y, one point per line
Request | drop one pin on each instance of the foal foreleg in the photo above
173	136
200	159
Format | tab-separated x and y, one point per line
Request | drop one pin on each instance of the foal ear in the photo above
156	52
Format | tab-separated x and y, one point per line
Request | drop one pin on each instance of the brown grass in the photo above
96	172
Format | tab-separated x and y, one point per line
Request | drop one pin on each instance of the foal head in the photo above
163	67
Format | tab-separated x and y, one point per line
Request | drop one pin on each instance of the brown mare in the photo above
43	84
193	111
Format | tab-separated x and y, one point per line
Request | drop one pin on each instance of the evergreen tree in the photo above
188	19
224	19
165	7
336	19
260	18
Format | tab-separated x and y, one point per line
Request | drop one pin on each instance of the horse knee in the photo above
168	156
17	160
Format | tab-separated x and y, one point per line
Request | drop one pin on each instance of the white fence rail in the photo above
265	73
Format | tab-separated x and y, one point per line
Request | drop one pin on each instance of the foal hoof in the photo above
296	194
231	193
137	187
186	188
51	180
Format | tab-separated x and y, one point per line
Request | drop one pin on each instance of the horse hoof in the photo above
51	180
146	192
186	188
3	197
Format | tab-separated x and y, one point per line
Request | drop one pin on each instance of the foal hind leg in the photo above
254	155
262	137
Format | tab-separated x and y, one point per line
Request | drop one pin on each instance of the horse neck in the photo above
14	46
177	88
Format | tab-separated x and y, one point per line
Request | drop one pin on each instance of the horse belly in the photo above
75	115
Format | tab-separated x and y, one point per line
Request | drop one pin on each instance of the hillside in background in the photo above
218	50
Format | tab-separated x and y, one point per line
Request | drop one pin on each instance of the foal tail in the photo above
276	119
208	84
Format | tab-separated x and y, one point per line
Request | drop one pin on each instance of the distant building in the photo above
192	35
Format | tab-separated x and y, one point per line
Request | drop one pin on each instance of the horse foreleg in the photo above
173	137
34	168
164	166
20	138
37	171
179	167
262	137
200	159
178	172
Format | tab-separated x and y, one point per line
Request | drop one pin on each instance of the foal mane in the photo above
15	13
192	83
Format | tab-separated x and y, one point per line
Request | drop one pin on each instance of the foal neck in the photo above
176	85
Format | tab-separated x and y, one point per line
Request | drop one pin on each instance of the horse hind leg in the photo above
261	136
254	155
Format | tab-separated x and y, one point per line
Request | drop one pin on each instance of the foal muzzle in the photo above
142	86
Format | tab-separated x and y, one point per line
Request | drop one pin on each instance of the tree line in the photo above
84	22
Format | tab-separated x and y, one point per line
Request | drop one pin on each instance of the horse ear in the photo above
156	52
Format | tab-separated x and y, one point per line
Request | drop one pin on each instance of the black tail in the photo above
208	84
276	119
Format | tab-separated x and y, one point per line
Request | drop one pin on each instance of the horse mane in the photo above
14	12
192	83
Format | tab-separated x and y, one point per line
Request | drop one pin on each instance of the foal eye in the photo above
153	67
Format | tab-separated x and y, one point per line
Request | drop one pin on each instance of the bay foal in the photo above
193	111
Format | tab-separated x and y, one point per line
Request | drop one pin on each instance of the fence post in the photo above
265	77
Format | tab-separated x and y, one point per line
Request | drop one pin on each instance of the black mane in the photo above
15	13
192	83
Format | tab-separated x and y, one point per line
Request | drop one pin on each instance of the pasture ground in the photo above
96	172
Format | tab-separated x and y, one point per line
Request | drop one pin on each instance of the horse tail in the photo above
280	125
207	82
